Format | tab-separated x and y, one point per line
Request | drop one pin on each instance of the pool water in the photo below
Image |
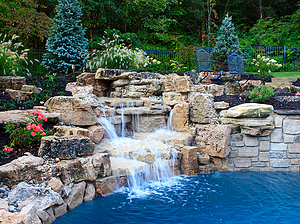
230	197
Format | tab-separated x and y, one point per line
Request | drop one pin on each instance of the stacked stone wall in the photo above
279	151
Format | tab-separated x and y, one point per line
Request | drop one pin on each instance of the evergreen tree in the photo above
66	44
227	43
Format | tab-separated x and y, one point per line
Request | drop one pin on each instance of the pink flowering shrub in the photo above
28	133
260	93
13	59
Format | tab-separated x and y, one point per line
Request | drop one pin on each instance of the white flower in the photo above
258	56
258	71
268	64
269	71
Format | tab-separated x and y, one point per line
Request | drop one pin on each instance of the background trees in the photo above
154	24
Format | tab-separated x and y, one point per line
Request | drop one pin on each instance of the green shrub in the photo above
260	93
29	132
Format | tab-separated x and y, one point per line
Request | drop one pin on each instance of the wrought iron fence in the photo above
287	55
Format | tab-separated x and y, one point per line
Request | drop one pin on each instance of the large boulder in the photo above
202	108
250	126
105	186
248	110
66	147
75	198
184	84
112	74
100	86
172	98
11	82
180	117
72	110
213	140
149	123
42	197
213	89
189	161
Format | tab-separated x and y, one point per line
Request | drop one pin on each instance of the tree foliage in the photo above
66	44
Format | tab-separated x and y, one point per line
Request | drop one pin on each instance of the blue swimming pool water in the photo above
231	197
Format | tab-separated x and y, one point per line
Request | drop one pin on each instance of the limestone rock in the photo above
202	108
104	111
44	216
112	74
100	86
121	102
17	116
120	82
3	205
213	140
82	89
72	110
122	167
66	147
71	130
76	196
11	82
42	197
250	126
90	192
248	110
72	85
232	88
31	211
172	98
60	209
170	138
221	105
142	88
105	186
184	84
189	161
85	169
169	82
97	133
25	168
203	159
180	117
13	218
56	185
149	123
213	89
221	164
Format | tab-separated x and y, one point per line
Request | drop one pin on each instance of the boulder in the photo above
232	88
66	147
82	89
142	88
97	133
42	197
72	110
122	167
213	89
84	169
203	159
149	123
184	84
213	140
202	108
32	212
90	192
180	117
3	204
221	164
25	168
189	161
100	86
112	74
17	116
60	210
76	196
250	126
72	85
119	82
169	82
172	98
55	185
248	110
11	82
13	218
71	130
105	186
221	105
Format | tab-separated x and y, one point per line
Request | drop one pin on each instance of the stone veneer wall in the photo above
280	151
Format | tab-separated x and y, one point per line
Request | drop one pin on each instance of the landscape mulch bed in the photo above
65	78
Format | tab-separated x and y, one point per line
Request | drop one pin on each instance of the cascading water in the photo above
169	122
142	160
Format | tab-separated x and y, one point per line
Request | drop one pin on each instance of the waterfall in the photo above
109	128
169	122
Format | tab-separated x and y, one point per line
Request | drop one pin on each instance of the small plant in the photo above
4	153
295	90
176	66
28	133
260	93
117	55
264	67
13	58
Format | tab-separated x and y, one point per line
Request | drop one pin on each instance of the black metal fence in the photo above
185	59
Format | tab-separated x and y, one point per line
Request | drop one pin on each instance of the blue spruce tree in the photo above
227	43
66	44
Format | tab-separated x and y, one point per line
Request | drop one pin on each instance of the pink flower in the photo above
266	86
8	150
291	86
40	126
5	149
245	90
43	133
28	127
33	134
259	93
39	118
297	94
